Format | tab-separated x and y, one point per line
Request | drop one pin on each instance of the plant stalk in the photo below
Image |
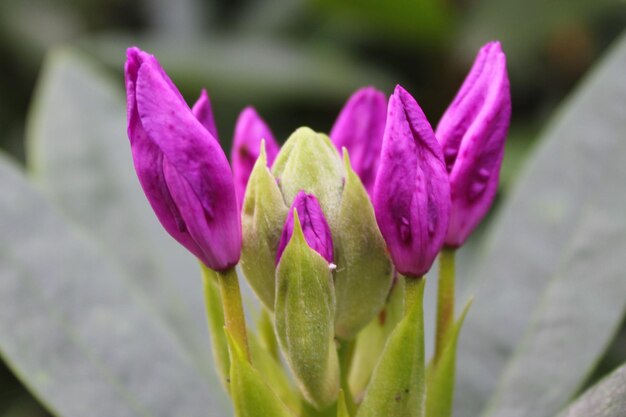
346	352
234	319
445	300
413	292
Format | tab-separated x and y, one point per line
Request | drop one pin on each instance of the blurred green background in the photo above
298	60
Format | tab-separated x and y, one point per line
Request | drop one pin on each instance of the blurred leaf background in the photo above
298	60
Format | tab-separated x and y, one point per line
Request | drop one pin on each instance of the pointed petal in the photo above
249	131
359	128
203	111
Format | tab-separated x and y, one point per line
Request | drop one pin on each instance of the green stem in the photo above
445	300
346	352
215	317
413	292
234	319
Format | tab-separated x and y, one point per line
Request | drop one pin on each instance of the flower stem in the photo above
346	352
413	292
445	300
215	317
234	318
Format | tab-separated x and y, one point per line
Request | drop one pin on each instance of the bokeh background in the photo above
297	61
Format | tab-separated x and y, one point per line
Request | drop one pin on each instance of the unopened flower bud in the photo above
304	315
181	166
472	134
412	193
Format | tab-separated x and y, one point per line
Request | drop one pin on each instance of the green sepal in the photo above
215	316
251	395
263	217
308	161
273	372
398	385
342	408
370	342
364	271
440	375
304	316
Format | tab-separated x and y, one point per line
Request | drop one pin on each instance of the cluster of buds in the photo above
324	227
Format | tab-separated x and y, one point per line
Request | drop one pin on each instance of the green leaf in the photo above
371	340
79	155
364	271
74	330
398	385
252	397
272	369
606	399
342	408
304	315
550	289
440	375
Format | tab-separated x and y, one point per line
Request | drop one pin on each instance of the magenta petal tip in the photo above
249	131
359	128
203	111
314	227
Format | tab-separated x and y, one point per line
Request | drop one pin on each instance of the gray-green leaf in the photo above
606	399
79	155
75	331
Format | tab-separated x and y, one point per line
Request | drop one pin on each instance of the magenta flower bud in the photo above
359	128
204	113
411	193
472	133
249	131
314	227
181	167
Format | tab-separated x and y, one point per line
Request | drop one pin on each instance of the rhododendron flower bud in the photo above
314	227
304	310
249	131
181	167
359	128
412	193
472	133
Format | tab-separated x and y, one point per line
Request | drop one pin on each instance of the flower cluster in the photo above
319	226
